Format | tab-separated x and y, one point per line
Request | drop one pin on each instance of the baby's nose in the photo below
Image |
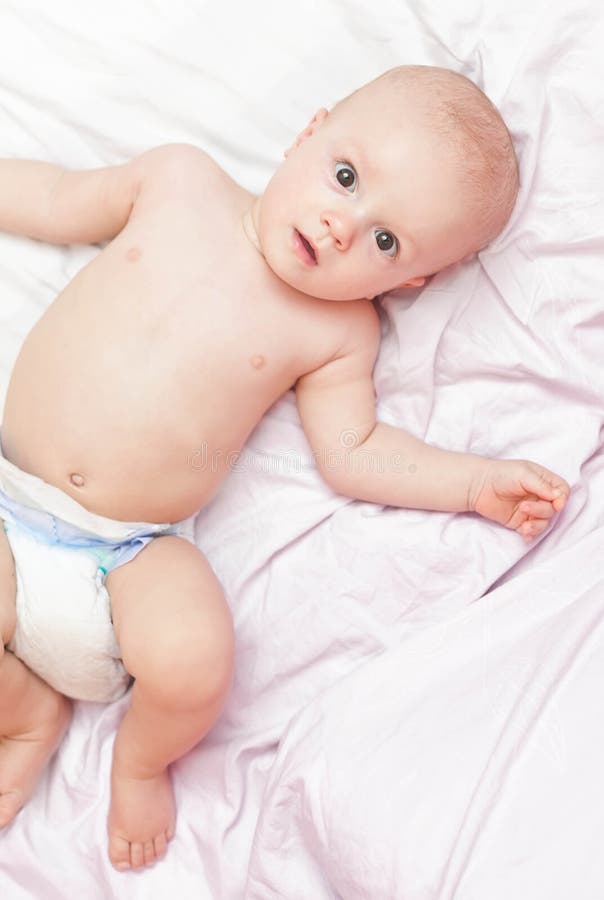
341	227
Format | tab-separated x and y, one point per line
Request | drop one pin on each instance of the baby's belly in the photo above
151	447
152	478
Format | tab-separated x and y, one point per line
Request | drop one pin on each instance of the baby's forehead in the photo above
372	115
388	148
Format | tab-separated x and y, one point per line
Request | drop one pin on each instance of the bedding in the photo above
416	713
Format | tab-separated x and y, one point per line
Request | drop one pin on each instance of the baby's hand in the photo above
519	494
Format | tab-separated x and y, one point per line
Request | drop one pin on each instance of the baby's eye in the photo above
386	242
346	176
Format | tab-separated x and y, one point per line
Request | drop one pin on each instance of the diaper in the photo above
63	552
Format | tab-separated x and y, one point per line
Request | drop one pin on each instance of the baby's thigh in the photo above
8	588
172	623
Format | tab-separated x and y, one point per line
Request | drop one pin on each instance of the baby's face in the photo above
356	210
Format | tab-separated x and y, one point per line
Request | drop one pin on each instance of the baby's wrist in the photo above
478	476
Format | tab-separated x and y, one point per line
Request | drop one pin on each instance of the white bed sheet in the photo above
416	711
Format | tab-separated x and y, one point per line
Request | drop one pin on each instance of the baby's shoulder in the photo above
173	158
176	168
356	322
344	328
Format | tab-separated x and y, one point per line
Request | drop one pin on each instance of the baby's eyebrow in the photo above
357	156
364	166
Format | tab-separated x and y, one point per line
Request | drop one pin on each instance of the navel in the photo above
257	361
77	479
134	254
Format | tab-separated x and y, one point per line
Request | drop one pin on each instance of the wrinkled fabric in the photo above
416	711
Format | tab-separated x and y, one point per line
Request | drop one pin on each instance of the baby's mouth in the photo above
305	249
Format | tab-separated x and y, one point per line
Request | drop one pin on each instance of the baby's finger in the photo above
532	528
547	486
537	509
559	501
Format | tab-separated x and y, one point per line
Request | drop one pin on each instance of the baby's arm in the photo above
47	202
372	461
44	201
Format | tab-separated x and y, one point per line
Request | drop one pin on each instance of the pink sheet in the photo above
416	712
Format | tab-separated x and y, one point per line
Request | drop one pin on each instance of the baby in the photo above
204	307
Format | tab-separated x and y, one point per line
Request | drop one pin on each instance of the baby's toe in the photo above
161	845
10	804
149	853
137	855
119	853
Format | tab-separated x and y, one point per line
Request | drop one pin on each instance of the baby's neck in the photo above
250	227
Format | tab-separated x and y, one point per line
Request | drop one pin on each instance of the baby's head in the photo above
412	172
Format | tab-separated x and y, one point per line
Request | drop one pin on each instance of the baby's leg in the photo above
33	716
175	634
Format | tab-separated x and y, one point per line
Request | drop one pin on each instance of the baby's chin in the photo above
343	294
319	290
311	282
333	295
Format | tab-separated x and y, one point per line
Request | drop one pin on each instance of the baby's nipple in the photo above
134	254
76	479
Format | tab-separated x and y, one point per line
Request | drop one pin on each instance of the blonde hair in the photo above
483	146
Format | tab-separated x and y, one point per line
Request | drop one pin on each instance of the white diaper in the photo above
62	554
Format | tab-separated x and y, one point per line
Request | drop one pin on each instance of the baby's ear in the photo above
316	120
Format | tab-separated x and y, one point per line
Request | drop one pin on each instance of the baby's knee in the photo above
190	669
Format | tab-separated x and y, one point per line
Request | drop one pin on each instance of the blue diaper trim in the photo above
50	530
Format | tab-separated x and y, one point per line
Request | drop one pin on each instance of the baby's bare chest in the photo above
176	323
208	317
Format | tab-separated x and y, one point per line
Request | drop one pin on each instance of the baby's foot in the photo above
141	819
24	755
